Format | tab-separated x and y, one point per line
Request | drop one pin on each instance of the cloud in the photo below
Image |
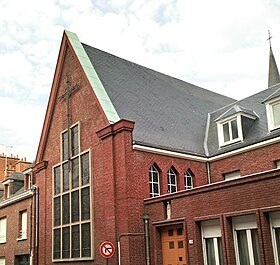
219	45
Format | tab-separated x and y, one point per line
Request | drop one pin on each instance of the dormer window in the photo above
234	124
230	131
273	114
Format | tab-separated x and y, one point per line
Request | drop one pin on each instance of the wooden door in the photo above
173	245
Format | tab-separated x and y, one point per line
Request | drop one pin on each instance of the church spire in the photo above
273	74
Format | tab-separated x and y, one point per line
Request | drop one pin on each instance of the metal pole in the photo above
146	232
119	251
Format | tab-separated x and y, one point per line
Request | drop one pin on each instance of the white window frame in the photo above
2	260
220	124
3	230
232	175
153	170
23	228
188	176
211	229
248	223
274	223
277	163
171	173
269	112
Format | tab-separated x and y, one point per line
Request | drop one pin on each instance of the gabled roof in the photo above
237	109
168	113
258	132
274	95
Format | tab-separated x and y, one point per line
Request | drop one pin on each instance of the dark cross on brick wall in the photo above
69	89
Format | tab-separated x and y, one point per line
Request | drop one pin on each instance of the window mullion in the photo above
250	247
216	250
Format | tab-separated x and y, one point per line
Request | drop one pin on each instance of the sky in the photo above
219	45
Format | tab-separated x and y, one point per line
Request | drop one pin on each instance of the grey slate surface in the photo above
168	113
258	131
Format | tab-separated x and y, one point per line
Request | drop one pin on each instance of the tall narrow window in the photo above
75	140
275	234
212	242
188	178
246	240
65	151
23	225
172	180
72	203
273	114
3	225
154	181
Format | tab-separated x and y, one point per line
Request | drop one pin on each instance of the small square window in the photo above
171	245
230	131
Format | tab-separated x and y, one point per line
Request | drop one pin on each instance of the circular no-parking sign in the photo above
107	249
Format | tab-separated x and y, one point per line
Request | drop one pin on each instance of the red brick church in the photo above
166	171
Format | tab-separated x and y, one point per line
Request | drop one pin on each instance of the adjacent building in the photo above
169	172
17	207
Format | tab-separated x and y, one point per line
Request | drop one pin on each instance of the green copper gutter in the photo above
93	78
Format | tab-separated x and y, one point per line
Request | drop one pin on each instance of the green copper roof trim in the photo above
93	78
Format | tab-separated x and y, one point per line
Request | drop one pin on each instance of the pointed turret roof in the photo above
273	74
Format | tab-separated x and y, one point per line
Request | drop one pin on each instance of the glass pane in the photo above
75	142
180	244
188	182
85	169
86	241
75	173
171	245
226	132
75	241
57	180
170	232
65	168
277	237
234	129
85	204
22	260
75	213
156	189
243	247
65	242
56	244
256	250
172	183
57	212
65	209
220	250
65	146
179	231
210	252
276	114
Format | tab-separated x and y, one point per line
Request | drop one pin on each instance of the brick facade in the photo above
120	189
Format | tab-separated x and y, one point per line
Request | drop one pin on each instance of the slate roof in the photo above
235	109
168	113
256	133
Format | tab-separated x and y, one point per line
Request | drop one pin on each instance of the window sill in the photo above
230	142
22	238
